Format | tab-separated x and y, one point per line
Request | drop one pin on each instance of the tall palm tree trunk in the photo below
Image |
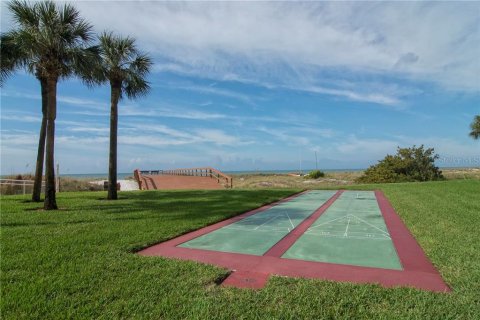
37	184
112	161
50	200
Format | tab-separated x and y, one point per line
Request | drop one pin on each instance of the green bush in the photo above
409	164
315	174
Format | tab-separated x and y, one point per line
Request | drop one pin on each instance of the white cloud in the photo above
12	139
173	138
84	103
216	136
69	100
151	141
158	128
379	98
189	114
286	136
154	112
271	41
88	129
21	118
365	149
210	90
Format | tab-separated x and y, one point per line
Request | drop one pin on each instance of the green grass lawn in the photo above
78	262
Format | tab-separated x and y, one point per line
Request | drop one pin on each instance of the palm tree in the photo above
11	58
50	42
475	126
125	68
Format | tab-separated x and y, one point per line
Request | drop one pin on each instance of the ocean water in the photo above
124	175
288	171
96	176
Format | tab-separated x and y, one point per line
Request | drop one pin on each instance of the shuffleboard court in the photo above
256	234
352	236
351	231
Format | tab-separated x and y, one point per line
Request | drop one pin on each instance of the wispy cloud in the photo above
84	103
154	112
271	41
378	98
366	148
210	90
89	129
21	118
283	135
187	114
218	137
69	100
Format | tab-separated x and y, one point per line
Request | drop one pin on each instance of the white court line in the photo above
346	230
350	216
266	222
249	230
348	237
290	221
371	225
318	225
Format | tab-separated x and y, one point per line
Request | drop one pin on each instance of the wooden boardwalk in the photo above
169	181
160	182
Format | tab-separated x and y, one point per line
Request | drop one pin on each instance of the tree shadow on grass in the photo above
43	223
197	207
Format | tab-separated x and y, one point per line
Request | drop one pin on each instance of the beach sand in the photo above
125	185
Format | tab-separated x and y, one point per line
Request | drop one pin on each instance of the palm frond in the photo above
141	64
122	62
135	86
87	64
53	41
48	16
24	14
11	56
69	15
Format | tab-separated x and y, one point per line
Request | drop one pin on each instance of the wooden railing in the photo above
138	177
213	173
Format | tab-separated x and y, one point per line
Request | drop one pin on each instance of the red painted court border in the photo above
417	271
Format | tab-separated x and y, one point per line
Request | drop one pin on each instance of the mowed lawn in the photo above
78	262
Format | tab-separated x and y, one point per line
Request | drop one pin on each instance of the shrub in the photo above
315	174
409	164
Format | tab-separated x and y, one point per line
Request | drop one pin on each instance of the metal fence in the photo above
14	186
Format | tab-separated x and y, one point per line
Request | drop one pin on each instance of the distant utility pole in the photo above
316	161
57	185
300	156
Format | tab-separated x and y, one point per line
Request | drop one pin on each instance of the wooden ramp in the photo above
193	178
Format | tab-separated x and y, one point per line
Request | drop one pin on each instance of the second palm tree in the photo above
125	68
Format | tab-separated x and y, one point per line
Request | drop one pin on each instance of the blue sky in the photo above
263	85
